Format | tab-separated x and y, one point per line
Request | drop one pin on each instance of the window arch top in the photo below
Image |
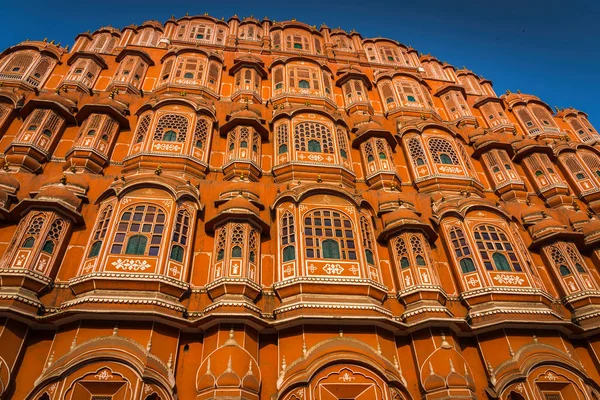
495	248
329	234
313	137
442	151
140	230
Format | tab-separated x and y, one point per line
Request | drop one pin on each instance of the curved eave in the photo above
574	237
52	104
407	224
116	114
420	128
305	191
200	17
196	106
237	214
64	209
85	54
135	52
378	133
290	113
490	145
287	60
525	151
348	75
391	75
295	24
11	97
449	87
256	123
487	99
197	50
257	65
54	51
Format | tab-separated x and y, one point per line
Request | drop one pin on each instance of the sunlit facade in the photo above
260	210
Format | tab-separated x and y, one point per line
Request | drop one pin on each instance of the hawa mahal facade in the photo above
245	209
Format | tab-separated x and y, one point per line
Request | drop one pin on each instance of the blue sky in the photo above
548	48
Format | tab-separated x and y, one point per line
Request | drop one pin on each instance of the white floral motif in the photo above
354	270
519	387
147	388
373	274
289	270
455	170
473	282
346	377
312	268
550	376
425	277
42	264
315	157
174	270
131	265
168	147
104	375
53	387
508	279
20	259
333	269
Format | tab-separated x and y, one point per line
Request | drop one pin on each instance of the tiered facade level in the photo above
250	209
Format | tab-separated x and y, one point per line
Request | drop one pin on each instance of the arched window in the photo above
138	224
18	64
564	270
496	249
136	245
288	236
201	133
500	262
237	240
367	240
591	160
442	151
410	251
312	136
410	93
169	136
40	127
181	234
95	249
171	127
142	128
417	153
329	234
278	78
331	249
568	262
33	231
342	139
190	68
282	139
462	250
445	159
221	243
53	236
239	140
304	78
236	252
314	145
100	231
